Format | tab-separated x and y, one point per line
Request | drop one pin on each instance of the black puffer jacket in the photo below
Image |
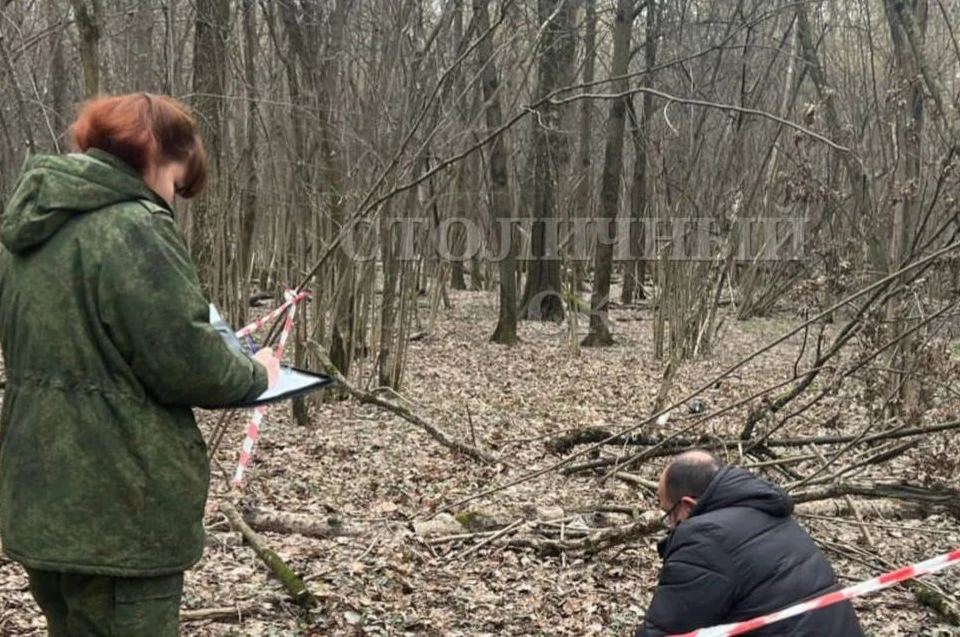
738	556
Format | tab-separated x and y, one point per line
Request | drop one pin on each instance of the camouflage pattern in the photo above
103	606
107	344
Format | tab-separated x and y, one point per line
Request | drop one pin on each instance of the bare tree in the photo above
542	300
89	22
500	206
634	267
209	90
599	335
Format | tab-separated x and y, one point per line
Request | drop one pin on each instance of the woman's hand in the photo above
269	360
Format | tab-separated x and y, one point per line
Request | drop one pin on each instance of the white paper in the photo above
290	381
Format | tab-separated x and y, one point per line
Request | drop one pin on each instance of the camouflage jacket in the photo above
107	345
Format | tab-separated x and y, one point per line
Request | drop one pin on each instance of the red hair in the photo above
144	130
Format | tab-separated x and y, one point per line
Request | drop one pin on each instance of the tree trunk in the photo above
89	20
599	335
500	201
140	49
541	298
209	88
333	178
909	119
59	81
583	192
249	176
634	271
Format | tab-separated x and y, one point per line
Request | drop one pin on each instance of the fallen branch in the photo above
291	581
607	538
591	435
941	497
936	599
264	520
233	613
629	478
365	397
497	535
669	445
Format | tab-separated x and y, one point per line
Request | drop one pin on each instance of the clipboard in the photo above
292	382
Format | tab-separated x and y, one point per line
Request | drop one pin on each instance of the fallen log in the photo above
648	524
926	497
294	585
231	613
592	435
878	510
267	521
670	446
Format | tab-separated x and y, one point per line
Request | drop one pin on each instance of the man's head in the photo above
684	481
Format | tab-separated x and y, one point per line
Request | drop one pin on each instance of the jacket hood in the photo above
55	188
734	487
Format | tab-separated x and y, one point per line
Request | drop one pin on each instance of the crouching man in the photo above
734	553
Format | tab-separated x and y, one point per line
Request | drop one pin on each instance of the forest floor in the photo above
377	474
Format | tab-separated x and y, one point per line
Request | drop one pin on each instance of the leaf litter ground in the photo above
376	474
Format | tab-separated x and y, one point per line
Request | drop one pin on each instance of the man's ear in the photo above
689	501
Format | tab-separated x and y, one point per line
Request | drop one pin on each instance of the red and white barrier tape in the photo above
260	322
877	583
257	413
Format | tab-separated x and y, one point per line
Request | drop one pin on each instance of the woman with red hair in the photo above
107	345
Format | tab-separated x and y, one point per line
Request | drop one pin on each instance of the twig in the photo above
925	591
459	536
488	540
473	434
779	461
680	444
367	398
629	478
867	537
716	105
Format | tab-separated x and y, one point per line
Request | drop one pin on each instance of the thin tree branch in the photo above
715	105
367	398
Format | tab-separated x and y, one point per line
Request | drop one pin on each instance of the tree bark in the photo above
89	20
500	203
599	335
249	174
583	193
634	271
209	88
909	131
541	298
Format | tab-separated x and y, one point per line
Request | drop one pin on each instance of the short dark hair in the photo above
691	473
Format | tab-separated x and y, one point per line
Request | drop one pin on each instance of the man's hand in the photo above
269	360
